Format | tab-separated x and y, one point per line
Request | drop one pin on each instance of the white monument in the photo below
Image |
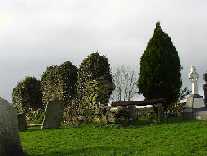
193	76
194	100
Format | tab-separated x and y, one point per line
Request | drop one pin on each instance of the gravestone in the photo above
132	112
53	115
194	100
205	87
22	123
9	138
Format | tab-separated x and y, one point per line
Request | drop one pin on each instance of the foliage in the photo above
92	100
180	139
94	83
59	83
122	116
97	93
35	117
124	79
68	73
27	95
71	112
160	68
50	85
184	92
94	67
146	113
178	106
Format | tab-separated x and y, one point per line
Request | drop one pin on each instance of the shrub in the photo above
27	96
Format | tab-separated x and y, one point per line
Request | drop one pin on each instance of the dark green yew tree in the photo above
160	69
27	95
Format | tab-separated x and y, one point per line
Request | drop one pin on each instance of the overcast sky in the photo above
38	33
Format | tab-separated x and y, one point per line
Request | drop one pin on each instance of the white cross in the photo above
193	76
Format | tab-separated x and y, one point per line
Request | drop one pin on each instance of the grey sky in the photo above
38	33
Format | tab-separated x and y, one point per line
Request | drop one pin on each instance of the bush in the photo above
27	96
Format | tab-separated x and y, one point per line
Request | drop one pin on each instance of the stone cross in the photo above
193	76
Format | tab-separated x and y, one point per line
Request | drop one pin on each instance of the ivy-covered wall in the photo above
94	83
59	83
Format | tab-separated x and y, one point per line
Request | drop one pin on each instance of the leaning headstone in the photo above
22	123
53	115
9	138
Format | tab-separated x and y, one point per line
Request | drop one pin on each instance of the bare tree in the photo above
124	79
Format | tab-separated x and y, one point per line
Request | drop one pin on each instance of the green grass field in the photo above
166	139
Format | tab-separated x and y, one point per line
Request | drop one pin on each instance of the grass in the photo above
166	139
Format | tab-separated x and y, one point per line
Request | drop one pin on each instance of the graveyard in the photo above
70	109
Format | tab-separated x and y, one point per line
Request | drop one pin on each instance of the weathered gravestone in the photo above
205	87
53	115
22	123
9	138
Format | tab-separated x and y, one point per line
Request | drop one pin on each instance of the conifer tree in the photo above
160	68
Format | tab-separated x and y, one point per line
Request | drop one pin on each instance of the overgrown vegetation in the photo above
59	83
27	95
94	84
